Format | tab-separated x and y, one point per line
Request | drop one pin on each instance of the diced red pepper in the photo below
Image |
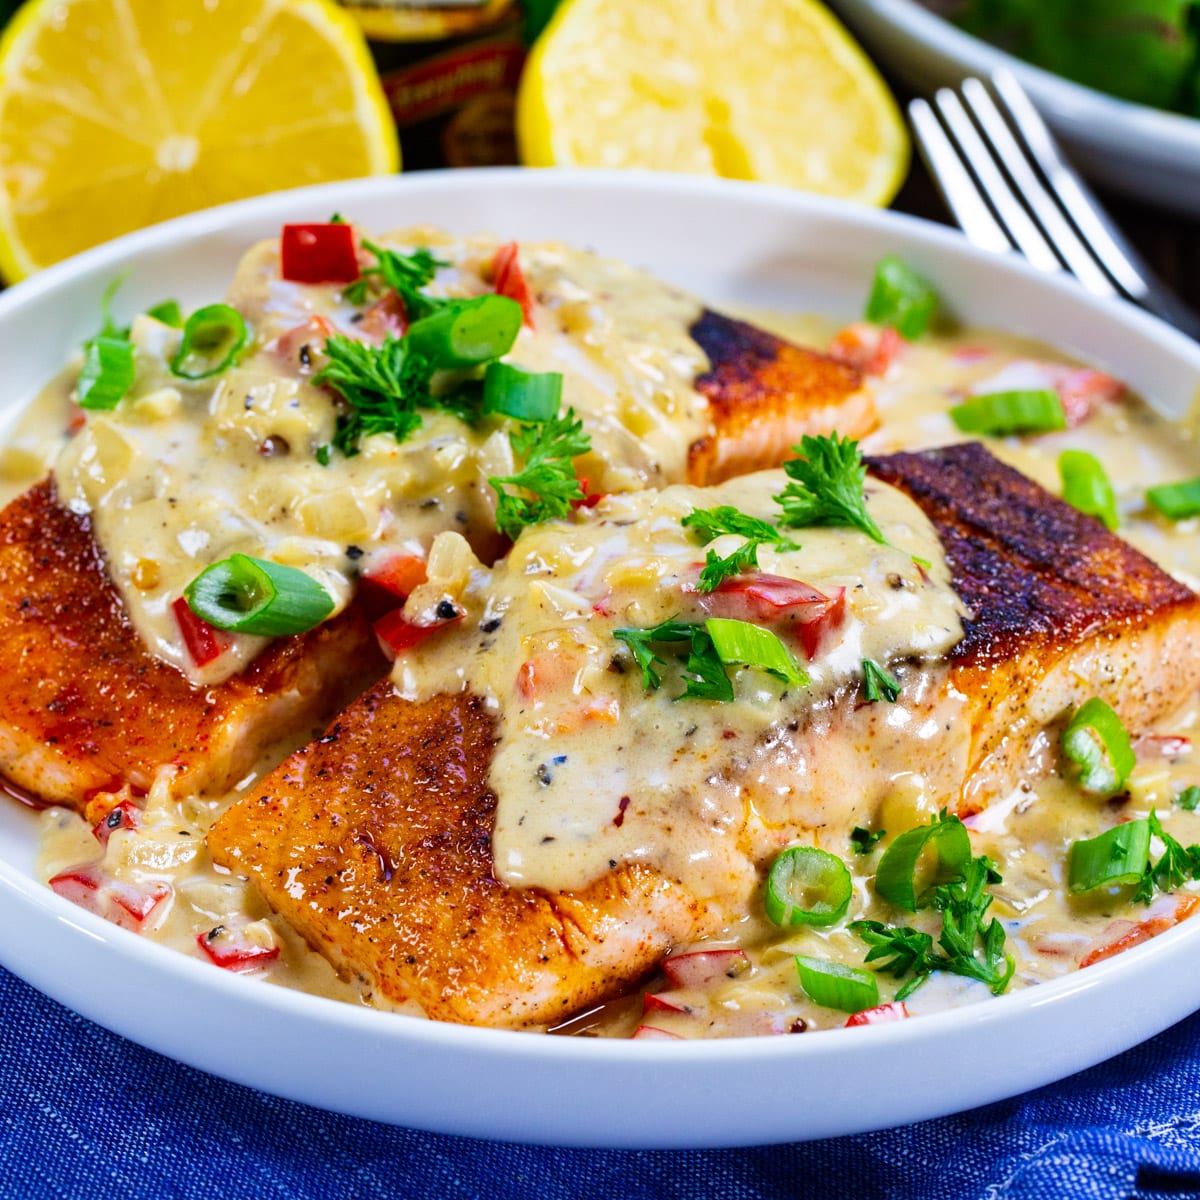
650	1033
1143	931
399	575
125	904
80	885
125	815
657	1002
76	420
324	253
398	634
704	968
509	280
776	600
299	346
204	642
1161	745
386	315
235	949
879	1015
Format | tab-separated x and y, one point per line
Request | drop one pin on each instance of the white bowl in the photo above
1141	151
730	243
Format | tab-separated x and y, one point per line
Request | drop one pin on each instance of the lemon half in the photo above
771	90
115	114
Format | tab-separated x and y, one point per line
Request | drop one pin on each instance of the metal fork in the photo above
973	149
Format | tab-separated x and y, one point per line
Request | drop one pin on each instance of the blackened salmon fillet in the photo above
86	709
374	842
764	394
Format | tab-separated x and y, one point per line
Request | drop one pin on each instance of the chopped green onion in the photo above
901	298
834	985
250	595
1189	798
1097	742
878	684
807	886
466	332
168	312
1086	486
863	840
752	646
213	337
1120	855
921	860
1176	500
1036	411
522	395
323	454
107	373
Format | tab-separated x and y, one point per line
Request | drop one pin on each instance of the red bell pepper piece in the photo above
509	280
398	634
879	1015
204	642
324	253
234	949
705	968
125	815
776	600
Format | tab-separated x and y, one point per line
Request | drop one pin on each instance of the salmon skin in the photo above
86	709
764	394
374	841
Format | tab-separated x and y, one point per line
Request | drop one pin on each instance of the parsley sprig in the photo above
1177	864
703	672
968	945
826	486
547	484
710	523
878	684
405	274
383	386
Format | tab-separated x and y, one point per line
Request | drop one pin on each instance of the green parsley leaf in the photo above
705	678
1189	798
547	482
1177	865
710	523
827	486
703	672
863	840
878	684
405	274
383	385
323	454
639	642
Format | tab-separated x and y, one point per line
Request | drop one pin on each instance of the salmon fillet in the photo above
764	394
1062	610
374	841
85	708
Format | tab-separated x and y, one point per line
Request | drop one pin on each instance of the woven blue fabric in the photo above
84	1113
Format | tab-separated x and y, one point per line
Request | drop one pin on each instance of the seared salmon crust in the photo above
375	842
86	708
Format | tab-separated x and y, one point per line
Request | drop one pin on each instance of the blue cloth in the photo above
84	1113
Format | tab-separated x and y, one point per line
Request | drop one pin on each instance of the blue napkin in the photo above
84	1113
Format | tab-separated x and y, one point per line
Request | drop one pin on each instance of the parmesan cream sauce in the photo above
1027	832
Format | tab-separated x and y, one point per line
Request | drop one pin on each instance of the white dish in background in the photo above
731	244
1141	151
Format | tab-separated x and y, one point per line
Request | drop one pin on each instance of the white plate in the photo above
1141	151
729	243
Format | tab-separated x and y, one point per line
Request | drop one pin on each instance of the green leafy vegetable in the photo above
835	985
1189	798
864	840
405	274
922	859
1172	870
1097	742
1119	855
251	595
547	484
741	643
523	395
901	298
1033	411
1176	501
107	374
827	486
710	523
878	684
807	886
1086	486
383	385
213	338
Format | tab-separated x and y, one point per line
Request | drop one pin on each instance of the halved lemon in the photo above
115	114
772	90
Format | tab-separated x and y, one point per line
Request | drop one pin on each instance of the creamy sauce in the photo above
689	767
182	475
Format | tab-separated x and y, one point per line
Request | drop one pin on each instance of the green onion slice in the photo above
1037	411
213	337
901	298
1121	855
522	395
807	886
466	333
1086	486
249	595
834	985
1096	741
107	373
750	645
168	312
920	860
1176	500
